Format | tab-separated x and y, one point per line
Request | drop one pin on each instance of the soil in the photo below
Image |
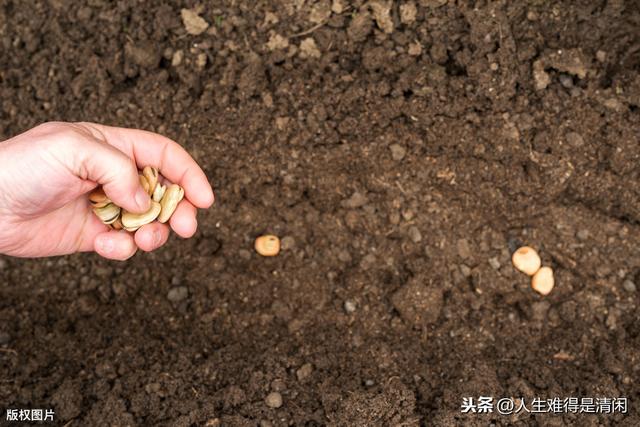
404	149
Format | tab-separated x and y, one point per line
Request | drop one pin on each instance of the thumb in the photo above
116	172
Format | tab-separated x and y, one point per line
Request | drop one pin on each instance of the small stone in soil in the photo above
357	200
304	372
465	270
629	286
397	152
414	234
178	294
408	12
344	256
494	263
415	49
349	306
574	139
273	400
463	248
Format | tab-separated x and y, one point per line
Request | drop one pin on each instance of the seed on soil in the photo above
527	260
542	282
267	245
273	400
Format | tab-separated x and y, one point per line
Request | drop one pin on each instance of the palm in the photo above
70	228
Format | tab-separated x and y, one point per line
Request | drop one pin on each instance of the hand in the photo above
46	173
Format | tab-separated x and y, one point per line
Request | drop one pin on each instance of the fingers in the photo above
121	245
148	148
151	236
116	245
114	170
183	221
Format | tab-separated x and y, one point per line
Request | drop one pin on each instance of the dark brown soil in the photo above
403	166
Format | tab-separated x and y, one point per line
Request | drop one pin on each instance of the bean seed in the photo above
527	260
98	198
144	183
117	224
172	196
108	214
158	193
267	245
151	174
542	282
132	222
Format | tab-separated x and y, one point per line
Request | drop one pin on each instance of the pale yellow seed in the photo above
542	282
107	214
527	260
267	245
158	193
151	174
144	183
98	199
172	196
116	225
131	221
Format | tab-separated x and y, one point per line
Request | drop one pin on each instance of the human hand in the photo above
46	173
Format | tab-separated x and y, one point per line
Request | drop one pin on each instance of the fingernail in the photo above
157	238
106	244
142	199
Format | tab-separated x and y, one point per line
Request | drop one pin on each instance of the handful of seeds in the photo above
164	201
